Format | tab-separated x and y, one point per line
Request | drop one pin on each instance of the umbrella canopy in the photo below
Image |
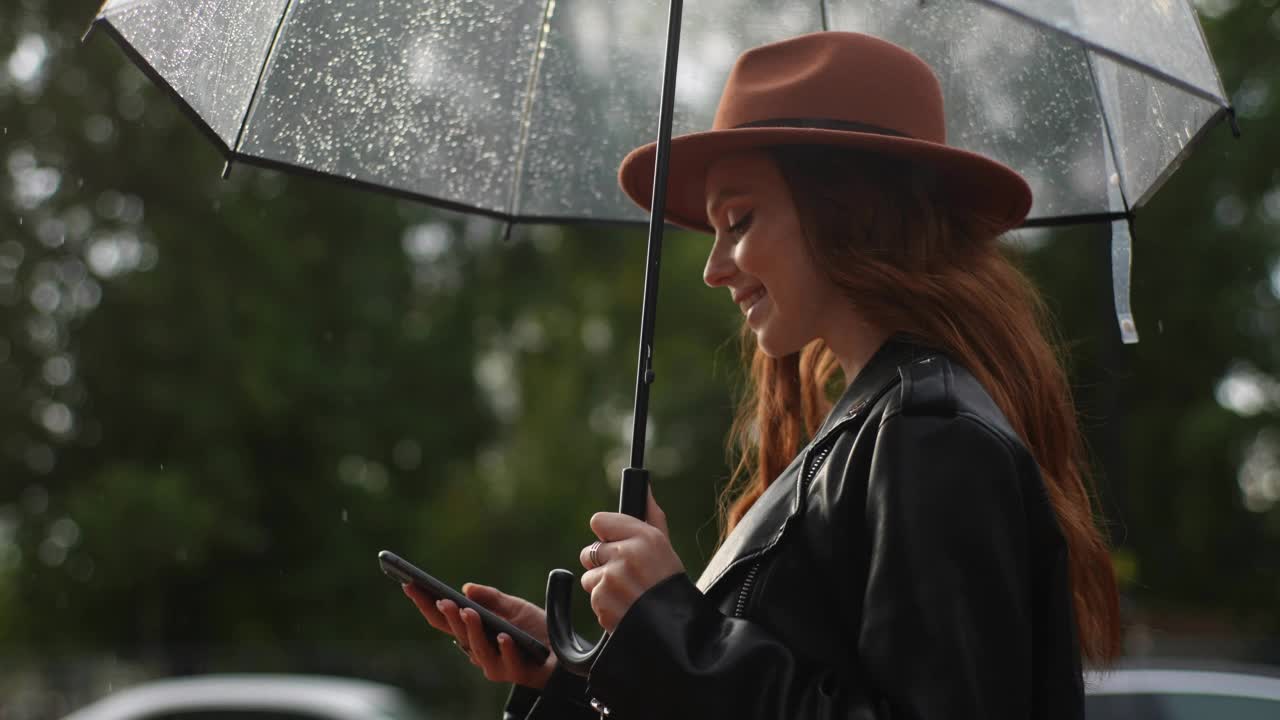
522	109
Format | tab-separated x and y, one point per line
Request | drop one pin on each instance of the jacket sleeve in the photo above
563	698
944	630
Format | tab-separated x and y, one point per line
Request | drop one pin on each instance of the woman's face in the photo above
760	255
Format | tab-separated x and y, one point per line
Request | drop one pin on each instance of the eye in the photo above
741	226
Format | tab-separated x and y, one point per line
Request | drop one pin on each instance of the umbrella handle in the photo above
574	652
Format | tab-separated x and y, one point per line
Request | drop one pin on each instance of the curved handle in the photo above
575	653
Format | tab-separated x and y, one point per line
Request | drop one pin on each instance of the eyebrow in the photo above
720	197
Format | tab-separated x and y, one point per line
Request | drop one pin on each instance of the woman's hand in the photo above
634	555
503	663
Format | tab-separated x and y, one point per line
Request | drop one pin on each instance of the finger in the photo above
654	514
492	598
481	647
427	607
512	663
611	526
425	604
620	583
456	627
592	578
584	556
605	606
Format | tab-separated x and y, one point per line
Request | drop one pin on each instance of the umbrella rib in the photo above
1116	160
531	86
1119	57
257	85
825	12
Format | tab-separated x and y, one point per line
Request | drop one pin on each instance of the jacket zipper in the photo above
813	468
749	582
745	593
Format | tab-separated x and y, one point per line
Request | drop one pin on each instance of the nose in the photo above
720	267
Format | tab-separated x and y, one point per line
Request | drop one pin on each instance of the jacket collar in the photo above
769	516
881	369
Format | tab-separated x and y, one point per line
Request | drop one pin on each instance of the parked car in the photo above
1200	691
1188	692
253	697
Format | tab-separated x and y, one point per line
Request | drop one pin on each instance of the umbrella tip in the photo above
226	170
506	233
1235	125
87	32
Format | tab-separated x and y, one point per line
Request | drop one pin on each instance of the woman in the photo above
923	547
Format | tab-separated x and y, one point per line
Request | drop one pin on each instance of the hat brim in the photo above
981	186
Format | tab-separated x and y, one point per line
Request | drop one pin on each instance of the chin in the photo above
777	347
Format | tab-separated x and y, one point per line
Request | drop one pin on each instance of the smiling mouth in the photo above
750	301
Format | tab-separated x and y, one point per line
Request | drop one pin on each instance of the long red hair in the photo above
911	264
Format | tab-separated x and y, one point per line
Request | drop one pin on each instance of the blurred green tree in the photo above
1182	424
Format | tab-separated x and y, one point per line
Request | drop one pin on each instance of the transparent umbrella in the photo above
522	109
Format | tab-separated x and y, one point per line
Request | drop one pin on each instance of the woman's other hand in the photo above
500	663
634	555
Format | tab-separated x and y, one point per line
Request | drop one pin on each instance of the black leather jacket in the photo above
906	565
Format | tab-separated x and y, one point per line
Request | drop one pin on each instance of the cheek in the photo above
756	256
817	283
779	267
742	256
821	296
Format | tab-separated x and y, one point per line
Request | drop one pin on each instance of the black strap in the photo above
824	124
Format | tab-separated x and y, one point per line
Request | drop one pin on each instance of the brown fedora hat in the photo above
830	88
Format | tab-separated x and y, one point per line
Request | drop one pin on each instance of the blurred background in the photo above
220	398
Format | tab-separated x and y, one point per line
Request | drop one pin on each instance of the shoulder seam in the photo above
1010	447
927	385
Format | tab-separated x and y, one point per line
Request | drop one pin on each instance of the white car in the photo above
1127	693
1191	692
253	697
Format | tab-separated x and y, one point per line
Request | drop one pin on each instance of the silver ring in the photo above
595	554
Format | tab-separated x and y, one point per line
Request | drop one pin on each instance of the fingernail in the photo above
503	638
440	605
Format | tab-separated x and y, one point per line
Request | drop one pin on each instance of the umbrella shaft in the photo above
573	652
644	366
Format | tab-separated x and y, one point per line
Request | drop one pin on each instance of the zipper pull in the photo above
600	708
855	409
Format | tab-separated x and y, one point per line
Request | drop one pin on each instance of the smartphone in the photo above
403	571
